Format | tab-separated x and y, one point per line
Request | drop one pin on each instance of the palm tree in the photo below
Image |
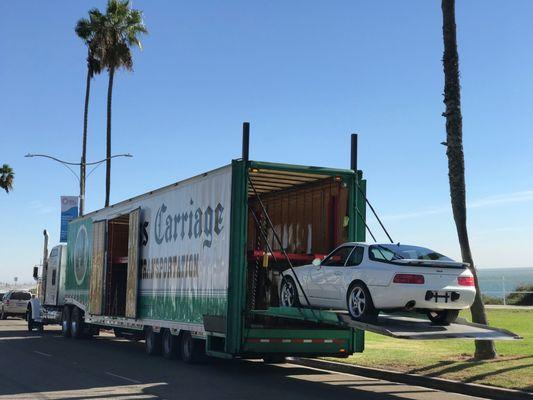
456	164
112	47
86	30
7	175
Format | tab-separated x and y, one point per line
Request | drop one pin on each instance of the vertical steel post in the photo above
245	141
353	159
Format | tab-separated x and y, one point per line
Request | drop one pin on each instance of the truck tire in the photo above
169	344
77	325
443	317
65	322
192	350
152	342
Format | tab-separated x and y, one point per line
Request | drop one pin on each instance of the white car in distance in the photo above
367	278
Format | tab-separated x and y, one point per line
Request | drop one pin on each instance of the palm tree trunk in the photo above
456	166
108	137
83	167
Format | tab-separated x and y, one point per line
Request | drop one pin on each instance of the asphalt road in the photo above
34	366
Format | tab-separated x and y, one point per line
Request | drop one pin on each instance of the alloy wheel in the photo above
357	302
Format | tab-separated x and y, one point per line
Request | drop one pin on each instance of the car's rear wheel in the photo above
443	317
360	304
3	314
289	293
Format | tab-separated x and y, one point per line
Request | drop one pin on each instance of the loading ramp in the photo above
414	328
397	326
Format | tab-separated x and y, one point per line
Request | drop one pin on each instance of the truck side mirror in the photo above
36	273
317	262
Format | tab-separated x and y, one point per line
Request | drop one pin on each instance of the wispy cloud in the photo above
500	199
40	207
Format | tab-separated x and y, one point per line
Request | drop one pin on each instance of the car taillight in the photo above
466	280
409	278
7	302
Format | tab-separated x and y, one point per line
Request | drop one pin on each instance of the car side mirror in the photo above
317	262
36	273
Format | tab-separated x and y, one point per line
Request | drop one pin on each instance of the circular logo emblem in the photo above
81	249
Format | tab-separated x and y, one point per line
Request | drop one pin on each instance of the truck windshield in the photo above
409	252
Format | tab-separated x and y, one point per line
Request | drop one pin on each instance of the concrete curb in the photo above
471	389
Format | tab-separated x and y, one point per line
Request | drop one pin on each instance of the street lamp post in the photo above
82	176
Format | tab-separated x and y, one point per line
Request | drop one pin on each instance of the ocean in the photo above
497	281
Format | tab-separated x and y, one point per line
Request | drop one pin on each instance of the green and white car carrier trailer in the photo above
195	265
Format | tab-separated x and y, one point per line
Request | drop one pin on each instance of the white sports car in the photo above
366	278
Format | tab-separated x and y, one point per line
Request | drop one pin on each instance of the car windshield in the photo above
400	251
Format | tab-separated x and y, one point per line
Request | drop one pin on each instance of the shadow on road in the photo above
51	366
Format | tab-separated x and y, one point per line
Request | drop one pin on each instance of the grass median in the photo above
453	358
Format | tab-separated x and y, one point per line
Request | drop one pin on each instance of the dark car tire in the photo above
359	303
443	317
288	293
152	342
192	350
65	322
3	314
169	344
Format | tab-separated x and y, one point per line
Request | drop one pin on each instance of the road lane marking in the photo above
42	354
123	377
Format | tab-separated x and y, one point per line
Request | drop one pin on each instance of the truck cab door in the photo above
132	284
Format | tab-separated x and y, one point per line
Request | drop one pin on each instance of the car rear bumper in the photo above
405	296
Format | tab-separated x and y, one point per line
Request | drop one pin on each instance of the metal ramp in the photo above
396	326
412	328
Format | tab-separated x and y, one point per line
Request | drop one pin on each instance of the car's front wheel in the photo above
443	317
289	293
360	305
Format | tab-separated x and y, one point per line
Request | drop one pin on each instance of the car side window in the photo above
378	253
338	257
356	257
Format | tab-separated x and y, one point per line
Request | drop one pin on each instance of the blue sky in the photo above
306	75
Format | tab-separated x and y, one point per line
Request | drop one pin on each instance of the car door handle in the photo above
338	273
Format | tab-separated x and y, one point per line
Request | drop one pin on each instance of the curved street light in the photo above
80	178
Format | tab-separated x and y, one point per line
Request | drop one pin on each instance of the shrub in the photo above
491	299
521	299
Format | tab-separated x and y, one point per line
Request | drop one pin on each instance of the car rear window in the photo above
21	296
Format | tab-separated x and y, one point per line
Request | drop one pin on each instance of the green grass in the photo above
453	358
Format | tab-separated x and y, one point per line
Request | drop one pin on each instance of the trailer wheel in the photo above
443	317
192	351
289	293
169	344
152	342
65	322
360	304
77	325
